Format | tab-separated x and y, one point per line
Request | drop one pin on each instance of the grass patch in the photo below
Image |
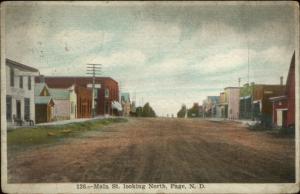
277	132
50	134
289	132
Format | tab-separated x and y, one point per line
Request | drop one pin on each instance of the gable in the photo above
44	92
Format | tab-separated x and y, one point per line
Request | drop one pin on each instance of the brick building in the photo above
104	96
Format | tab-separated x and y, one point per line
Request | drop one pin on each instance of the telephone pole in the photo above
93	70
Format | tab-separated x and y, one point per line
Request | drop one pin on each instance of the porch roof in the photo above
43	100
278	98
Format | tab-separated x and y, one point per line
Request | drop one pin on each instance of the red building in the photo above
104	97
284	106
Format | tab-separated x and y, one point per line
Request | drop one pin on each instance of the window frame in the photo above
27	107
9	110
21	84
29	83
12	76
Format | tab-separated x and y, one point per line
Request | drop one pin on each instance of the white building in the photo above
232	95
20	108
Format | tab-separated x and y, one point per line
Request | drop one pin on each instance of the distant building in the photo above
200	111
210	106
283	113
255	103
232	96
44	104
222	106
126	105
105	97
20	108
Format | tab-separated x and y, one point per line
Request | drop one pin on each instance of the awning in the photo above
245	97
278	98
116	105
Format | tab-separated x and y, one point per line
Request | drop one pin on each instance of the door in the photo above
284	118
279	118
18	109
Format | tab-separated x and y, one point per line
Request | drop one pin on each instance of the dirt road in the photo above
160	150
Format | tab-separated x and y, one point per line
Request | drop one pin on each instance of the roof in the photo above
126	97
38	87
42	99
20	66
230	87
67	81
59	94
290	74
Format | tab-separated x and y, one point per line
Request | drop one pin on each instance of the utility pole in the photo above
93	70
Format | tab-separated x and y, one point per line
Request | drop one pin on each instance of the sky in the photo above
167	54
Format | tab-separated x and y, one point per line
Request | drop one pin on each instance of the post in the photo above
93	69
93	92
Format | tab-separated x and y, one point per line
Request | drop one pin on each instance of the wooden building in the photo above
20	107
44	103
255	103
283	112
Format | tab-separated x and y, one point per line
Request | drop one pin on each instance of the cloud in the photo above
80	41
119	58
25	43
153	36
223	61
169	59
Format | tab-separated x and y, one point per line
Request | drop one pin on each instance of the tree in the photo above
145	111
148	111
194	111
139	111
181	113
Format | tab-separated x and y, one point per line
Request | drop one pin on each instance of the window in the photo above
95	93
72	107
29	83
106	93
12	77
27	109
8	108
21	82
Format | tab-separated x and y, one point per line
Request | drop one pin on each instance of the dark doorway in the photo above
107	108
284	118
18	109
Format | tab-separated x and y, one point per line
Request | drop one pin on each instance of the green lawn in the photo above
49	134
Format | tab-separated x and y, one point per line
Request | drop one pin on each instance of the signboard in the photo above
96	85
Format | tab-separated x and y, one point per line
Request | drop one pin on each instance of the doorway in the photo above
18	109
281	117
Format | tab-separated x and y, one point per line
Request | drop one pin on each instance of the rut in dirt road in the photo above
160	150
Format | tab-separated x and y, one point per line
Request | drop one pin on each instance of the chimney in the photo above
281	80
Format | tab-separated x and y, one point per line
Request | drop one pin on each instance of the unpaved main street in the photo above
159	150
